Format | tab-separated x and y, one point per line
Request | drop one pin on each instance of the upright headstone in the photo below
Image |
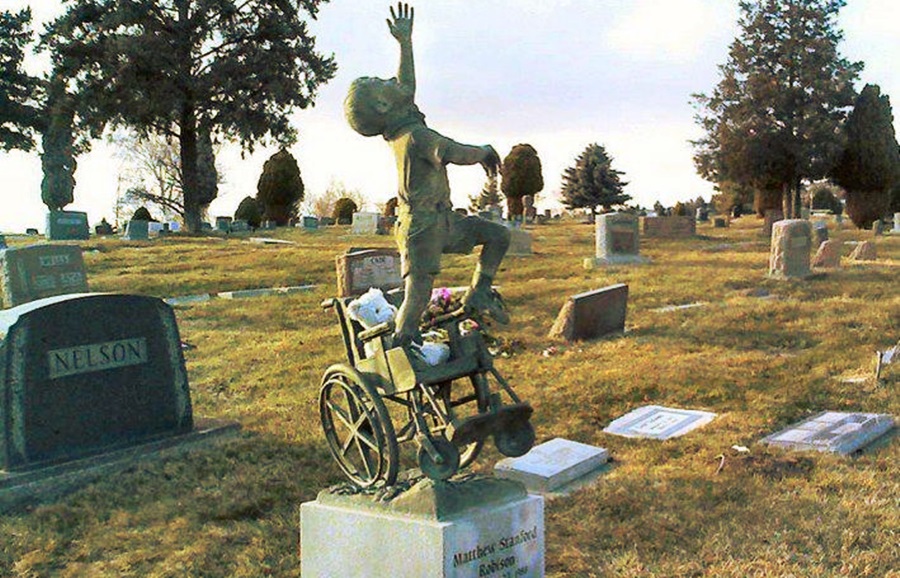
365	223
31	231
137	230
720	222
223	224
864	251
896	228
789	253
477	527
772	216
269	225
675	227
239	226
36	271
310	223
804	213
103	228
877	228
360	270
67	226
820	228
829	255
155	227
83	373
701	215
519	243
326	221
592	314
617	240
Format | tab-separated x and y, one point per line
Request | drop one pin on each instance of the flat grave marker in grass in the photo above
833	431
553	466
519	243
37	271
658	422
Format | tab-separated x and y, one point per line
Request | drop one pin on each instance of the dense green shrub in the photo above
280	188
824	199
248	210
390	207
521	173
343	211
142	214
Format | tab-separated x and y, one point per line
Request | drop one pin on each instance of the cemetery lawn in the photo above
761	353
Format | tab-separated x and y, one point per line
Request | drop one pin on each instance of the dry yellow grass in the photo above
662	510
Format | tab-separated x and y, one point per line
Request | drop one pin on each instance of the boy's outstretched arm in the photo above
460	154
401	24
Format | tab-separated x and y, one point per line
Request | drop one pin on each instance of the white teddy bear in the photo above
371	309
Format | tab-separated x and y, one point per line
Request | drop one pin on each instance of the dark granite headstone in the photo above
103	228
223	224
37	271
592	314
358	271
137	230
31	231
67	226
310	223
204	226
239	226
81	374
326	221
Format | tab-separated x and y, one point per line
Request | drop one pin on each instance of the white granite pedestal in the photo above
358	536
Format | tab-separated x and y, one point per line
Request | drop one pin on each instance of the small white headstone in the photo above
365	223
551	465
657	422
833	431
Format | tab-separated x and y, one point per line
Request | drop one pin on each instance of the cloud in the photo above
649	30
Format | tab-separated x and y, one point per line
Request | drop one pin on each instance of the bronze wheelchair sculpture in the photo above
387	396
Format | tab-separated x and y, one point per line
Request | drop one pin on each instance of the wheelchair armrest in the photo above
373	332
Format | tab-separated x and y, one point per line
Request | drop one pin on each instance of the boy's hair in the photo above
360	107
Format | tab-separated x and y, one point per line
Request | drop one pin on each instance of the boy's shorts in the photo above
423	238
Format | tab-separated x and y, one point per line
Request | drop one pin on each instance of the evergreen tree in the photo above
869	167
773	119
343	211
489	195
248	210
58	157
19	116
592	182
179	67
521	173
280	188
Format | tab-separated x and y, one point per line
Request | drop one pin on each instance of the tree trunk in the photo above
786	198
189	181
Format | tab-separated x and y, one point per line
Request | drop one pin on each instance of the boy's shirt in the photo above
424	189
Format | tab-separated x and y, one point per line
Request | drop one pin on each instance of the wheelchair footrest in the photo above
482	425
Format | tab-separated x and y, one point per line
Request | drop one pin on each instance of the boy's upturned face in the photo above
391	91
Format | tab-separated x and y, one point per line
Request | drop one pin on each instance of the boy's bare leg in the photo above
415	301
480	297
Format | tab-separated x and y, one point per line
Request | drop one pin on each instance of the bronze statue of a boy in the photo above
427	226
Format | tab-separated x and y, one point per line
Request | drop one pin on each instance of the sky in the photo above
556	74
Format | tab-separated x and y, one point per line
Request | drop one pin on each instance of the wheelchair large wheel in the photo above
358	428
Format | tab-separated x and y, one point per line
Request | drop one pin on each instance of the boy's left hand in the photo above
491	161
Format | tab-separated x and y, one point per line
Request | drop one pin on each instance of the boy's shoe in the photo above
484	302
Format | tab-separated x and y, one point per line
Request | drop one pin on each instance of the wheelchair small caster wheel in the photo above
444	464
516	441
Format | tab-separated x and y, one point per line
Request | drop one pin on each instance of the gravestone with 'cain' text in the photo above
38	271
86	373
359	270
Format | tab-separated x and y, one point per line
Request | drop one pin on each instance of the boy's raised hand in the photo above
401	23
491	160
